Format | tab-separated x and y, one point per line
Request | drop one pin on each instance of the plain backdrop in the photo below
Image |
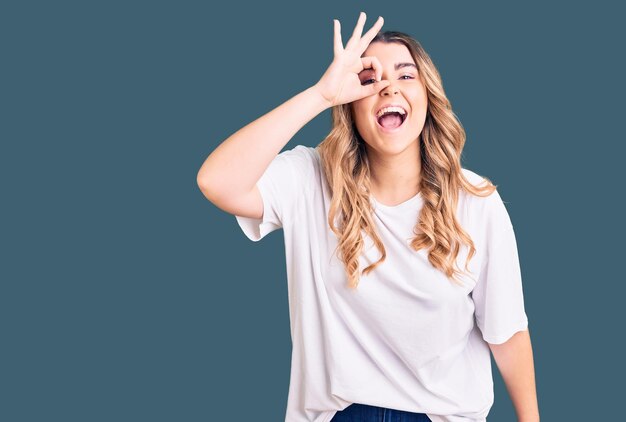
127	296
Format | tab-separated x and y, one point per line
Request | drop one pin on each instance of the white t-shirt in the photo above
406	338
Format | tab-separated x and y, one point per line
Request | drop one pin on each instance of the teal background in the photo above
127	296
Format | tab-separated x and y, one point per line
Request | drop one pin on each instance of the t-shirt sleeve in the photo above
288	176
498	296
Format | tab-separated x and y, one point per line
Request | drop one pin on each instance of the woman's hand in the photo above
340	83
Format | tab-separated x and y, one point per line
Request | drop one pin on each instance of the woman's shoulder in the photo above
301	164
302	156
473	177
489	209
302	159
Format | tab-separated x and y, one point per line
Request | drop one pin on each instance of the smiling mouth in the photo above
391	121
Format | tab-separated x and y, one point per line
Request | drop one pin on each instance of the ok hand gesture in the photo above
340	83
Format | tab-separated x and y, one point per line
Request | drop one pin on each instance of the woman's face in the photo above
405	90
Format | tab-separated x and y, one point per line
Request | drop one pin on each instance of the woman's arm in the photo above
235	166
514	359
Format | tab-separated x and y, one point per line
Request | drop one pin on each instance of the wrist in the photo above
529	418
322	101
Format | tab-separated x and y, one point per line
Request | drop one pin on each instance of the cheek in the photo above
360	114
423	95
418	92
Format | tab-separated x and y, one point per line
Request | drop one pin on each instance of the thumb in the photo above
378	86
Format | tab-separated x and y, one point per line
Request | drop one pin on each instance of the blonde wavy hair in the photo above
346	167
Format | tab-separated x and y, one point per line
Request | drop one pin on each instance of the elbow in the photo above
204	183
200	180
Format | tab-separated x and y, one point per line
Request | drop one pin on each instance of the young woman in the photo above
402	266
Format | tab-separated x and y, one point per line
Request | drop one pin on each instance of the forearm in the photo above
514	359
239	162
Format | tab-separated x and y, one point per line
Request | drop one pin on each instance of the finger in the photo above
358	29
372	62
369	35
338	45
375	88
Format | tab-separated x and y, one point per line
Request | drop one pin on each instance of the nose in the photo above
390	89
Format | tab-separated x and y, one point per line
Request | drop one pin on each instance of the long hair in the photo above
346	167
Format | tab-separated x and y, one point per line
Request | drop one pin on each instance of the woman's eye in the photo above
365	82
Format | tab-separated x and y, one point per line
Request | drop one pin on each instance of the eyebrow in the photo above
398	66
401	65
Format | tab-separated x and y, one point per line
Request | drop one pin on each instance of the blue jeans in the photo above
358	412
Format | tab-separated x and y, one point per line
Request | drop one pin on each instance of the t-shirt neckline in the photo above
401	205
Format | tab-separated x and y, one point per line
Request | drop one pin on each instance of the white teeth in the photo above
389	110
